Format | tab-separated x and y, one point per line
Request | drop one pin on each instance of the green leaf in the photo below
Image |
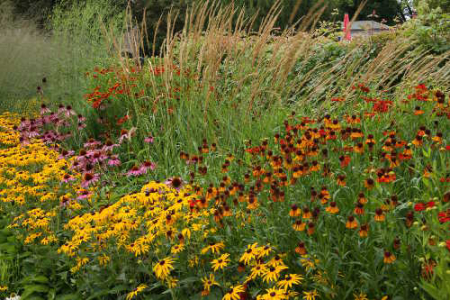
31	289
98	295
40	279
68	297
118	288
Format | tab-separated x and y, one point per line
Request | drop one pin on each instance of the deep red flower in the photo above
419	207
382	106
448	244
254	150
444	216
421	87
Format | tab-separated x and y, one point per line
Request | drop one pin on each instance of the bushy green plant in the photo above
431	28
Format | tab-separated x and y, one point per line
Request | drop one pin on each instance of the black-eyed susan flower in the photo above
234	293
221	262
177	248
134	293
163	267
276	261
258	270
274	294
208	282
311	295
289	280
249	254
273	273
360	296
264	251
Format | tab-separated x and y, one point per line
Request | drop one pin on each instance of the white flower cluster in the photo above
15	297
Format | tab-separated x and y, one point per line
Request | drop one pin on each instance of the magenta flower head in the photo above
175	183
135	171
83	194
61	109
109	145
69	111
114	161
67	178
91	143
125	134
89	178
146	166
149	140
44	109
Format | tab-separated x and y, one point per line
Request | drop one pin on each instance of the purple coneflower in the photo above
66	153
69	111
135	171
81	125
114	161
91	143
147	165
109	145
125	134
61	109
89	178
44	109
175	182
83	194
67	178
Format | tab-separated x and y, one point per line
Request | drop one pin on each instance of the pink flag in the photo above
347	34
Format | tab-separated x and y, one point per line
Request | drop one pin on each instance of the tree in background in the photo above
388	11
443	4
